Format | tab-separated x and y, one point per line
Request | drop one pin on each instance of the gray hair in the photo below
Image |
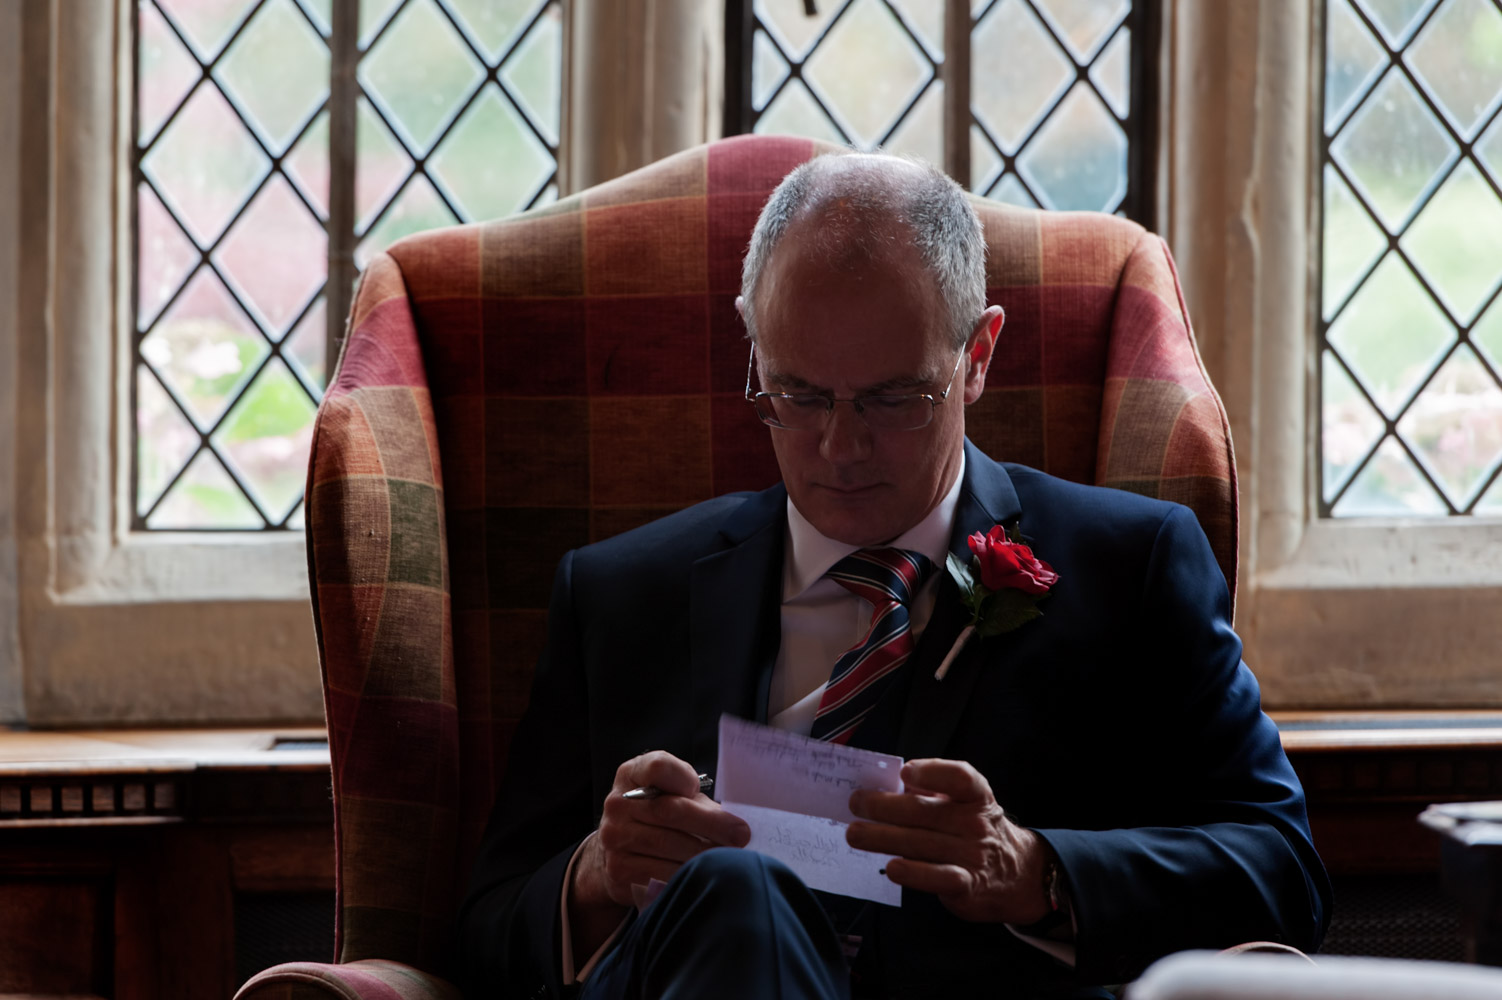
865	204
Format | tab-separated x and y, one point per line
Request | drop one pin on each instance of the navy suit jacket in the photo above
1122	726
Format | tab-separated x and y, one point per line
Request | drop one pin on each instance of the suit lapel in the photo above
934	707
731	651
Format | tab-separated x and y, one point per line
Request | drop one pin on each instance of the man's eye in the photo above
806	402
887	402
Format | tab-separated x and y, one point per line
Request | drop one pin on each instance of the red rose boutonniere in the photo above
1002	586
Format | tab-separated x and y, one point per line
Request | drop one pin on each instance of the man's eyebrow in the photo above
792	383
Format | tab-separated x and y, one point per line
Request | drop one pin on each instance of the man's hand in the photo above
642	840
953	840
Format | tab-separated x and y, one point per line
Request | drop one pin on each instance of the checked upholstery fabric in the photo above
511	389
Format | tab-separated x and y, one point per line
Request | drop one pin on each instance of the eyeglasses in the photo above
809	411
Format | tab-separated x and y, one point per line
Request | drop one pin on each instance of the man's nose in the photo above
846	438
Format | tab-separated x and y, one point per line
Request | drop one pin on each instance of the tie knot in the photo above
882	575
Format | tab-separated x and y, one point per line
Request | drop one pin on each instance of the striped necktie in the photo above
887	579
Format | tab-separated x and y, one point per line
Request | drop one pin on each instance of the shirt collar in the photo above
810	554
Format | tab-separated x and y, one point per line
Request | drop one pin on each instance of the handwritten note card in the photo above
794	793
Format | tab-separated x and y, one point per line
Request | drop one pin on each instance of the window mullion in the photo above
956	75
344	92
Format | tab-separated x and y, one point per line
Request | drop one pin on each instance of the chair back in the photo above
514	389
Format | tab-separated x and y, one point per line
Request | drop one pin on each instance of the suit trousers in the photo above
731	924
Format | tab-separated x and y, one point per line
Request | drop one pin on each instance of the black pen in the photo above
652	791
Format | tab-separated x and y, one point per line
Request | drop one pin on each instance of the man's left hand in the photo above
951	838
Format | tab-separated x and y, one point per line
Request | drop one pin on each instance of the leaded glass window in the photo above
278	145
1410	349
1047	96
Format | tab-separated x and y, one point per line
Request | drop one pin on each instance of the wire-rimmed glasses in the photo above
809	411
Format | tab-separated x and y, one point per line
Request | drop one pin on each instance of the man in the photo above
1084	793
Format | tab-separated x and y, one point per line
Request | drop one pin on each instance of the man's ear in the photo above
979	349
740	307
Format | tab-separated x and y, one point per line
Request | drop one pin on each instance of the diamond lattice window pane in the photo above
985	161
164	256
276	256
491	164
867	70
166	70
164	439
1456	241
1084	24
206	23
1490	504
417	209
265	438
795	31
1458	58
493	24
1112	73
1396	19
1011	94
205	164
1389	486
1352	241
373	17
278	71
305	348
382	165
419	73
205	497
1078	159
768	69
922	130
1011	191
1489	150
1487	334
322	13
926	18
533	73
308	164
1391	334
1455	425
1393	149
794	112
1349	425
1352	60
204	347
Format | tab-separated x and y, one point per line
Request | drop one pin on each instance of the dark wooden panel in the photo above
55	936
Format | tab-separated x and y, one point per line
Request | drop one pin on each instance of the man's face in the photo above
878	328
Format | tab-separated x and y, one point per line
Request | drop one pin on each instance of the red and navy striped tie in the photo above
887	579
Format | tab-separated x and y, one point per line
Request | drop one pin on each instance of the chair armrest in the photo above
368	979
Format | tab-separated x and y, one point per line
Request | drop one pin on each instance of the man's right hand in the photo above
639	840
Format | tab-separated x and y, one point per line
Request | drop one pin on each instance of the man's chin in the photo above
854	517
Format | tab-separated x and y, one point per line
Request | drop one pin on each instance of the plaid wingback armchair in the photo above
513	389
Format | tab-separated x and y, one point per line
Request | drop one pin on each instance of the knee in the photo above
734	871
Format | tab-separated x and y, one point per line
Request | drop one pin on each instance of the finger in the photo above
954	778
661	770
941	880
930	812
644	841
914	844
701	817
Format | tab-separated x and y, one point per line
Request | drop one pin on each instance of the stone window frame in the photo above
99	625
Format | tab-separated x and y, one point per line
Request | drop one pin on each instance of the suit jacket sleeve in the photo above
510	922
1214	848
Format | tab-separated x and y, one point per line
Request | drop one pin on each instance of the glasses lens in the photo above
897	413
798	412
